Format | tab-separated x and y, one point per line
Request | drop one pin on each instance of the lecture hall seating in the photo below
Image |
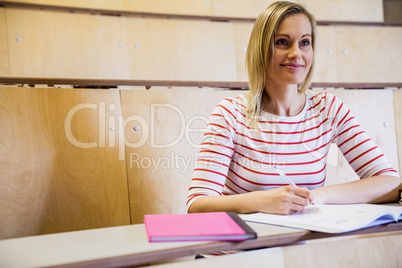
77	157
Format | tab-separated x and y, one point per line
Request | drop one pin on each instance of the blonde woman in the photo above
280	125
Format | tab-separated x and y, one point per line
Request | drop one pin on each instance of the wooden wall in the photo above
335	10
73	159
398	121
57	172
36	41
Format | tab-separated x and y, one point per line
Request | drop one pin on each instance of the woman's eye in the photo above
305	42
281	42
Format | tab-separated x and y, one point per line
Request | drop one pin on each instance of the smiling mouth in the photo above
292	66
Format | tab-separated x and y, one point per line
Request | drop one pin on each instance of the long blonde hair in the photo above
260	52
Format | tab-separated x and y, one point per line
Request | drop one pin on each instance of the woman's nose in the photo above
294	52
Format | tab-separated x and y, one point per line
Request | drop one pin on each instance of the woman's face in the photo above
293	51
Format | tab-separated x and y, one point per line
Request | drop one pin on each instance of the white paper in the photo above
332	218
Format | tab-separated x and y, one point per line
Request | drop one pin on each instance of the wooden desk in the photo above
365	251
129	246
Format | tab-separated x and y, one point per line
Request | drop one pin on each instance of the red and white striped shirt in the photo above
235	158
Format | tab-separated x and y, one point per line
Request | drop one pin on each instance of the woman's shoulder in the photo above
320	98
238	102
231	108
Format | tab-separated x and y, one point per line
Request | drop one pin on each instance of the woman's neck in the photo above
283	100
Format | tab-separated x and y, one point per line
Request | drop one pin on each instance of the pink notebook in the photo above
208	226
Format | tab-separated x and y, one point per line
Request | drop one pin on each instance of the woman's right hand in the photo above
283	200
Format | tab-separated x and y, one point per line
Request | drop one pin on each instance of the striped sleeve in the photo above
217	148
360	151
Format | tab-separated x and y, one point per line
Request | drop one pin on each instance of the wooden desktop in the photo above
128	246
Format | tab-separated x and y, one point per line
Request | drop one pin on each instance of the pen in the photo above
283	175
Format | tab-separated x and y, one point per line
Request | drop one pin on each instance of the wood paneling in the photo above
192	7
94	46
398	121
4	69
181	50
326	62
369	54
338	10
360	10
347	253
239	8
358	54
363	251
161	153
61	44
344	10
324	10
59	162
95	4
75	45
242	32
